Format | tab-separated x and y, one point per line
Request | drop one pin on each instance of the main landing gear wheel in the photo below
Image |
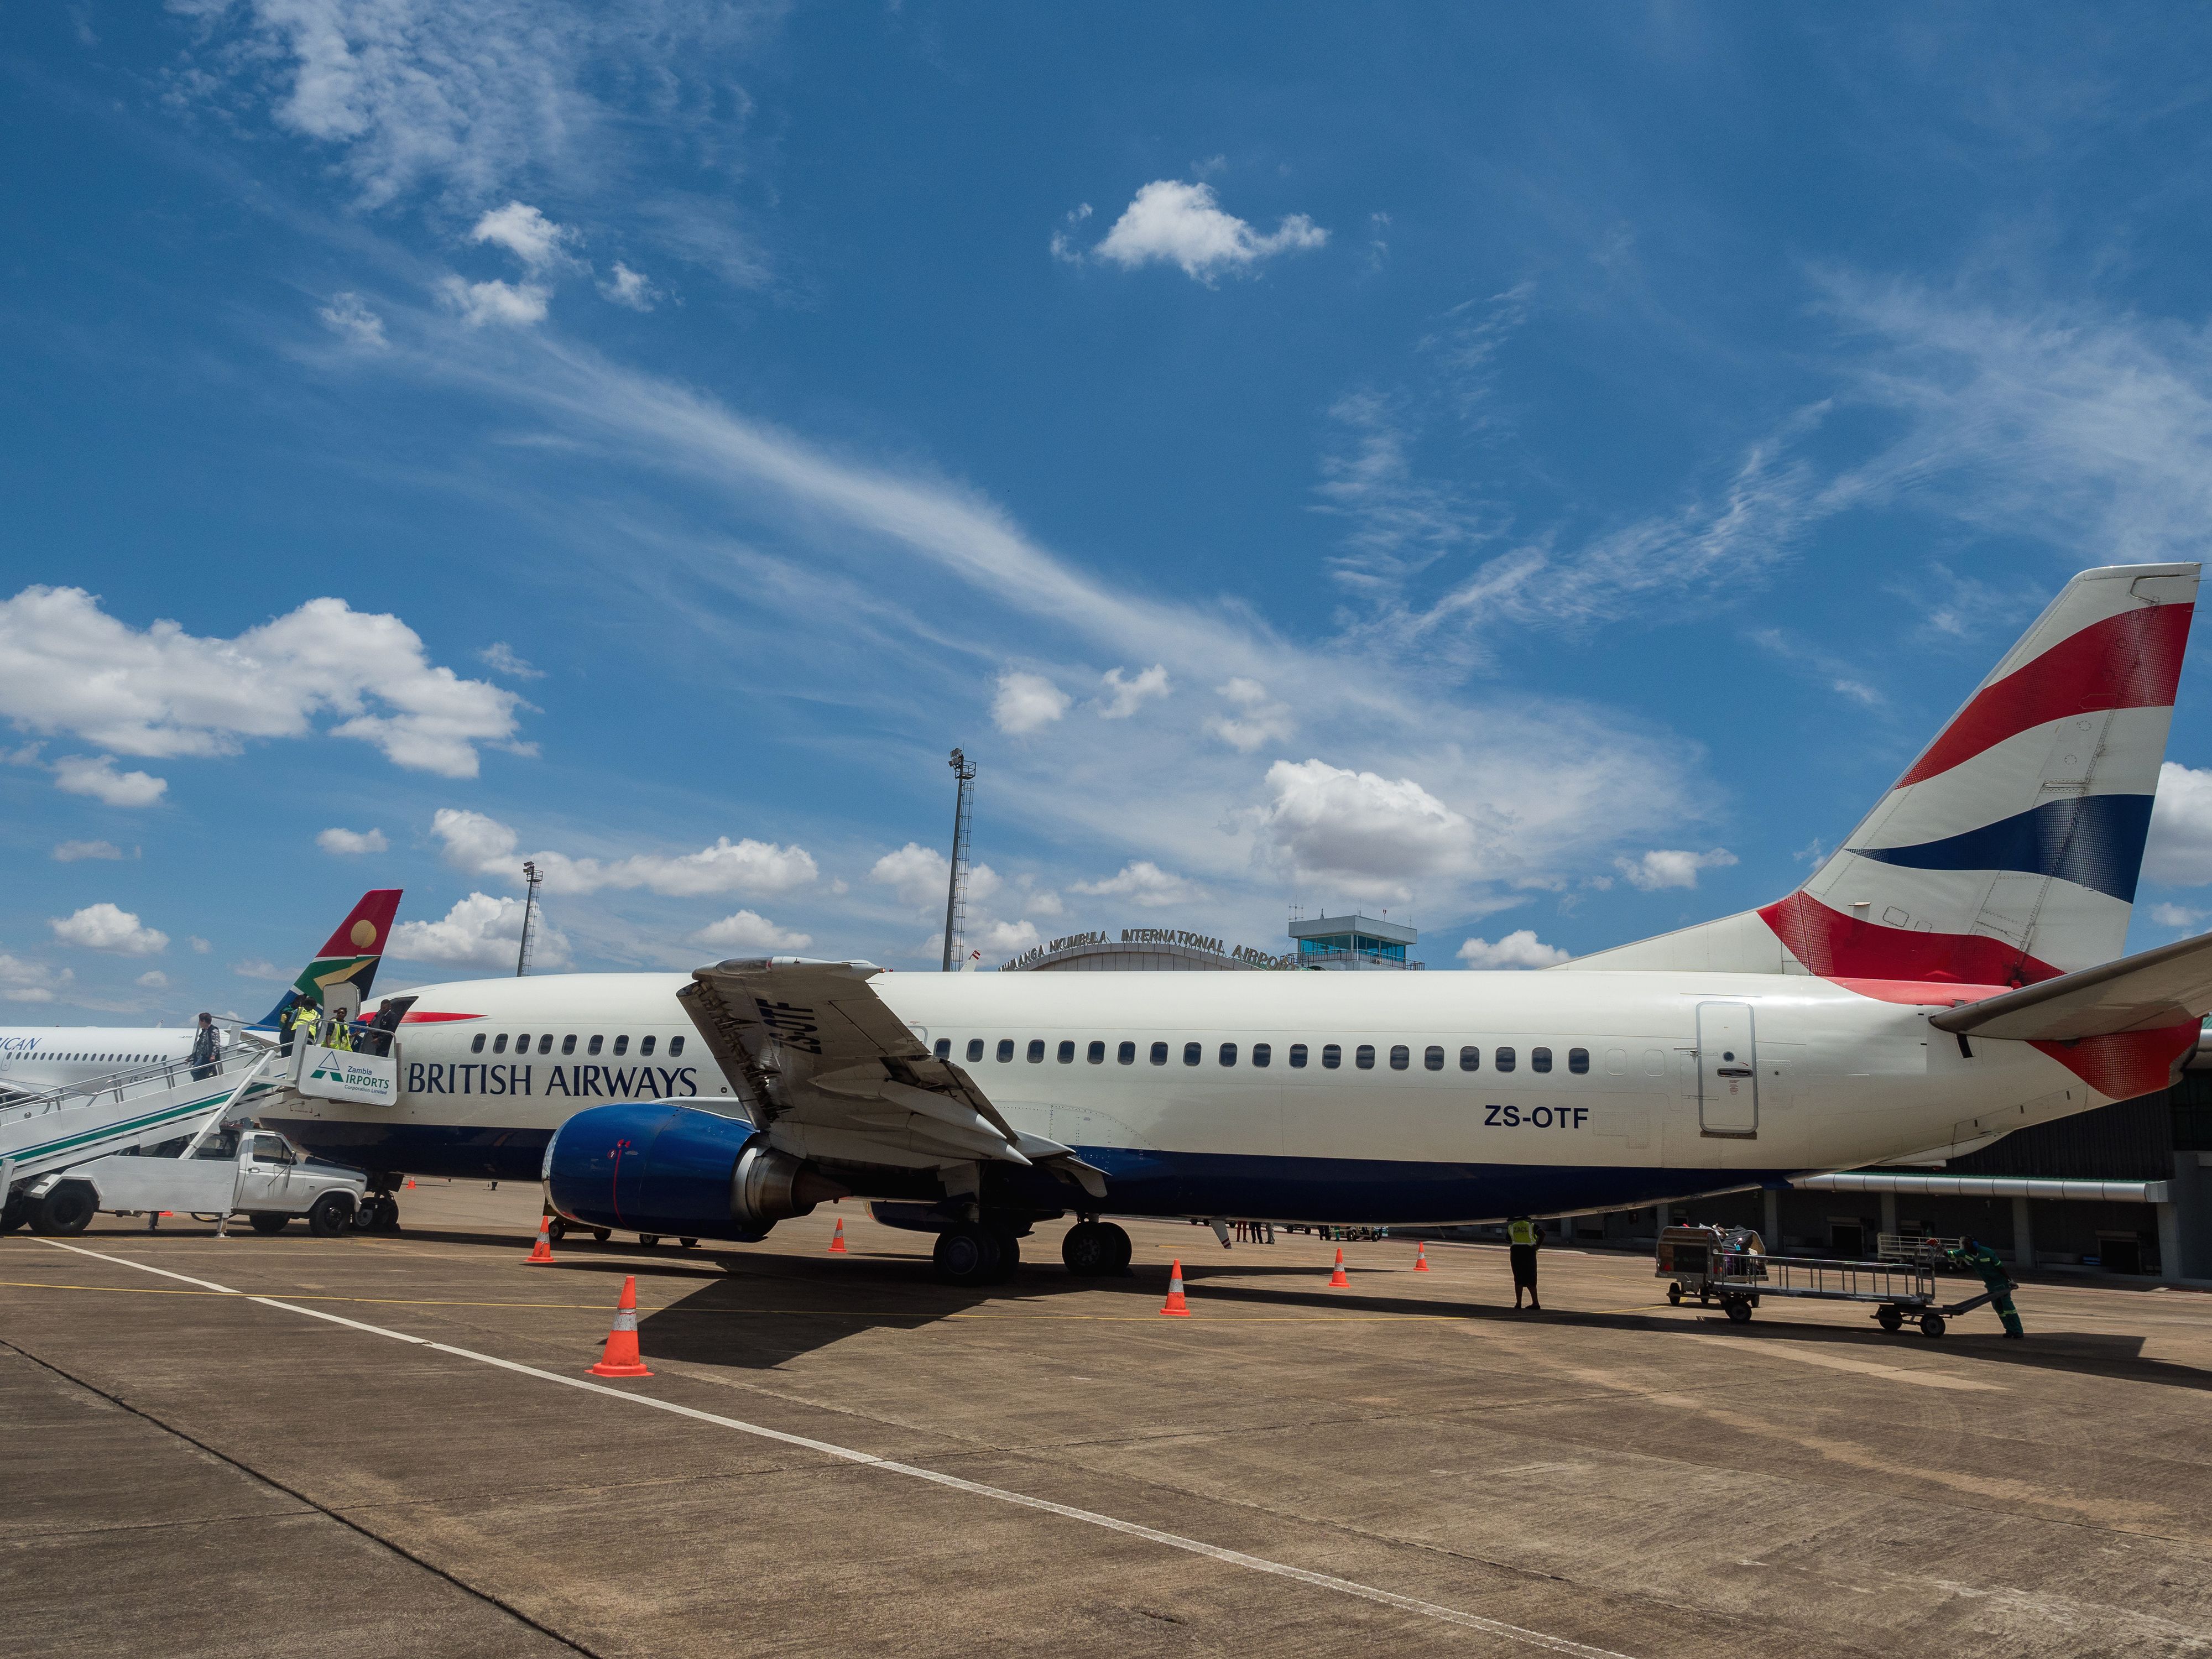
1739	1310
379	1214
968	1255
1931	1324
688	1244
1093	1249
1890	1318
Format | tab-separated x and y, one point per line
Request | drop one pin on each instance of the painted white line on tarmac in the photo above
1771	1349
847	1455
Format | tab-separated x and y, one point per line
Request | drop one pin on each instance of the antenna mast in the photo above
531	876
956	895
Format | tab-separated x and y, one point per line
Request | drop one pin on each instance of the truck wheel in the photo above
329	1215
265	1222
67	1210
13	1214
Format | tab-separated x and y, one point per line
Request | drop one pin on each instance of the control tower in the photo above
1353	942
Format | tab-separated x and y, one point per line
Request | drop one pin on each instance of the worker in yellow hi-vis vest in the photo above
1523	1235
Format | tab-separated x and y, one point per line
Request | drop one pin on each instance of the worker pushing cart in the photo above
1729	1265
1978	1258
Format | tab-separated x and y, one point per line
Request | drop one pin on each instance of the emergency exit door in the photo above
1728	1071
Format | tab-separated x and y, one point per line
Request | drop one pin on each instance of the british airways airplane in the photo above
1946	977
35	1058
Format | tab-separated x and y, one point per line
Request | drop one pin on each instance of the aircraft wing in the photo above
2167	986
812	1048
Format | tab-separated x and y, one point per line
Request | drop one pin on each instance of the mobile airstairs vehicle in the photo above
72	1152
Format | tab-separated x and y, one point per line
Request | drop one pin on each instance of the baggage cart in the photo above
1728	1266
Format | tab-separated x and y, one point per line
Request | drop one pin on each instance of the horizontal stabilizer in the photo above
2168	987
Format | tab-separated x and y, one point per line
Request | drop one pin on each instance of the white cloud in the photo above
512	305
500	658
1143	882
1259	721
1044	902
629	288
154	979
30	982
526	233
1518	949
1127	696
1027	702
256	968
746	931
1002	939
1671	867
70	851
85	774
1171	222
920	875
200	946
480	931
2176	915
107	927
66	665
484	846
1368	834
347	841
348	316
2179	850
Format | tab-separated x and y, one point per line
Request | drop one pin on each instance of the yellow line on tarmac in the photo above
796	1313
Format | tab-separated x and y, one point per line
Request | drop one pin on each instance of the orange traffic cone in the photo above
1337	1281
1421	1257
410	1182
621	1358
541	1252
837	1239
1176	1307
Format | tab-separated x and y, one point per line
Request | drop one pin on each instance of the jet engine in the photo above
649	1167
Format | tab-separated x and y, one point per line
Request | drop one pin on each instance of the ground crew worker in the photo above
299	1022
1977	1257
340	1035
1523	1235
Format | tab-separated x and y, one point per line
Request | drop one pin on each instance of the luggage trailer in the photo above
1728	1265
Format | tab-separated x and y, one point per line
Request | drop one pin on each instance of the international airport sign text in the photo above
1204	942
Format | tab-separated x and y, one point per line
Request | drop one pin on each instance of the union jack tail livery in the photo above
2007	853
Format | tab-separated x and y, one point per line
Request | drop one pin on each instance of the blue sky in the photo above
1544	474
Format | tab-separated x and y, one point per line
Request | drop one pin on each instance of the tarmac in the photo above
374	1445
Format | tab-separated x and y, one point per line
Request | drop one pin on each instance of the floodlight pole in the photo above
531	876
956	894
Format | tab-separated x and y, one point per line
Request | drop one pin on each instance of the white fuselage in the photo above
36	1058
1627	1105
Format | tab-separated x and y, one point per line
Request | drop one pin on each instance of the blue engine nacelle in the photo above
649	1167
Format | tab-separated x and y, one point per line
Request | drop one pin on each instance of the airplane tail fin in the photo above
2009	851
348	957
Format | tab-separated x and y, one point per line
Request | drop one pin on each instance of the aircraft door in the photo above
1728	1071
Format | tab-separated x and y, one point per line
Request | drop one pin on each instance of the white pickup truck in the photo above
255	1172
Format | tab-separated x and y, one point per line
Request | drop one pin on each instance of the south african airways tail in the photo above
348	957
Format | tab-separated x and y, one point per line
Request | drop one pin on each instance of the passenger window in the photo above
546	1043
477	1047
1578	1061
1505	1060
1401	1057
522	1044
1037	1051
645	1045
568	1043
1228	1053
675	1047
1066	1053
974	1047
592	1047
1005	1049
1262	1054
944	1048
1297	1056
622	1046
1433	1057
1094	1055
1126	1055
1616	1061
1331	1057
1363	1056
1540	1059
1193	1053
1159	1053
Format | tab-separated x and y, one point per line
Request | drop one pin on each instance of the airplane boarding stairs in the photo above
143	1106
